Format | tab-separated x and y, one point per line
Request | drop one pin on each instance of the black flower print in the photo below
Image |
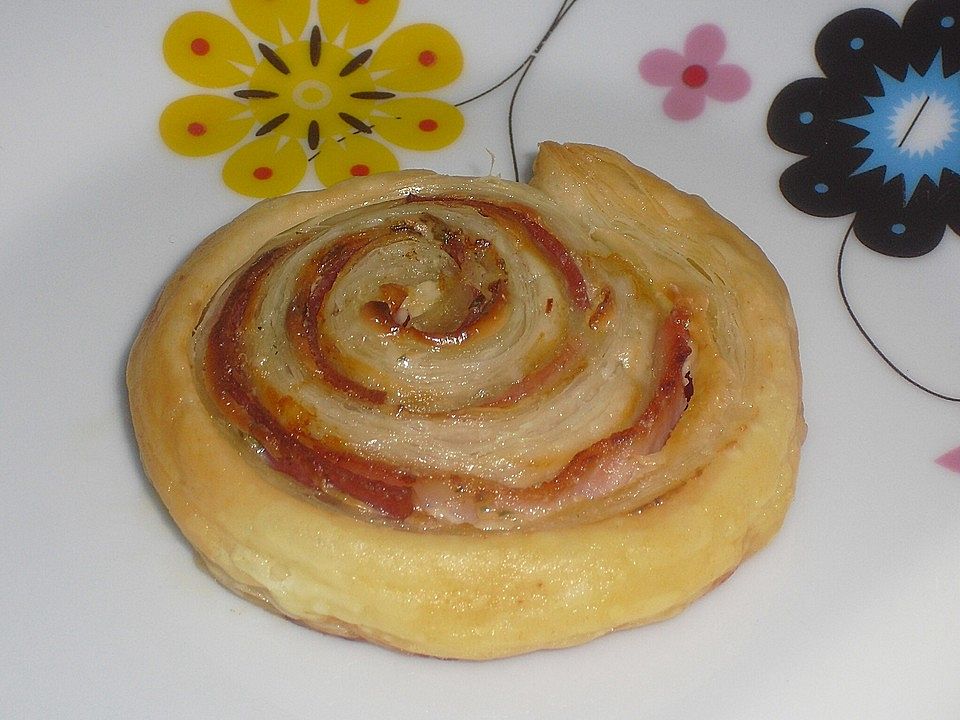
881	129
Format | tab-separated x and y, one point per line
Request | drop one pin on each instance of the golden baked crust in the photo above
459	591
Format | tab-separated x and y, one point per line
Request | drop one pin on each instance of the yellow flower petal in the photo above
265	168
265	17
202	48
353	22
204	124
418	123
355	155
417	58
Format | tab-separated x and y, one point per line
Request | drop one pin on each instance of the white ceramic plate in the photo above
853	611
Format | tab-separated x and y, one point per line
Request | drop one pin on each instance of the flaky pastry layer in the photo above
721	483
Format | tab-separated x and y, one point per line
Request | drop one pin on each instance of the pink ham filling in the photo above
594	472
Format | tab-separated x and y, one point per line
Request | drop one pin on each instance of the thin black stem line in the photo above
863	332
564	9
560	16
916	117
513	101
522	69
491	89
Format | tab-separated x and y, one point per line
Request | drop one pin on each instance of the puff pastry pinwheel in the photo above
471	418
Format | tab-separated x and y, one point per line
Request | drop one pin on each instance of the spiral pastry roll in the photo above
471	418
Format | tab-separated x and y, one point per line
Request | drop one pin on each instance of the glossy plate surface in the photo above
849	181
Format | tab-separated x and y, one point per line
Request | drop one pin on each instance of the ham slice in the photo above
598	470
284	428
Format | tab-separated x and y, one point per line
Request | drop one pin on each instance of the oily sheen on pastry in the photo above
471	418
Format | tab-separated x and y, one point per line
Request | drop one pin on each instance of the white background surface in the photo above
853	611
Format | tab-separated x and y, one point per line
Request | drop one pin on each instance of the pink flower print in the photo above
950	460
696	74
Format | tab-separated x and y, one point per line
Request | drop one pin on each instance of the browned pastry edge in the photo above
474	595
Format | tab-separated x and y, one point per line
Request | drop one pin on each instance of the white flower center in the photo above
312	95
922	124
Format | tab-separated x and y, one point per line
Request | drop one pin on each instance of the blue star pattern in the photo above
912	127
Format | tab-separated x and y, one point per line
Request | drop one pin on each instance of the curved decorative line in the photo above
522	70
499	84
863	332
564	8
513	101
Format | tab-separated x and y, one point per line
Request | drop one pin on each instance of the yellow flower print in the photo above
308	90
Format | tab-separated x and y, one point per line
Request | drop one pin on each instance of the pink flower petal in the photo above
682	103
727	83
950	460
705	45
662	67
